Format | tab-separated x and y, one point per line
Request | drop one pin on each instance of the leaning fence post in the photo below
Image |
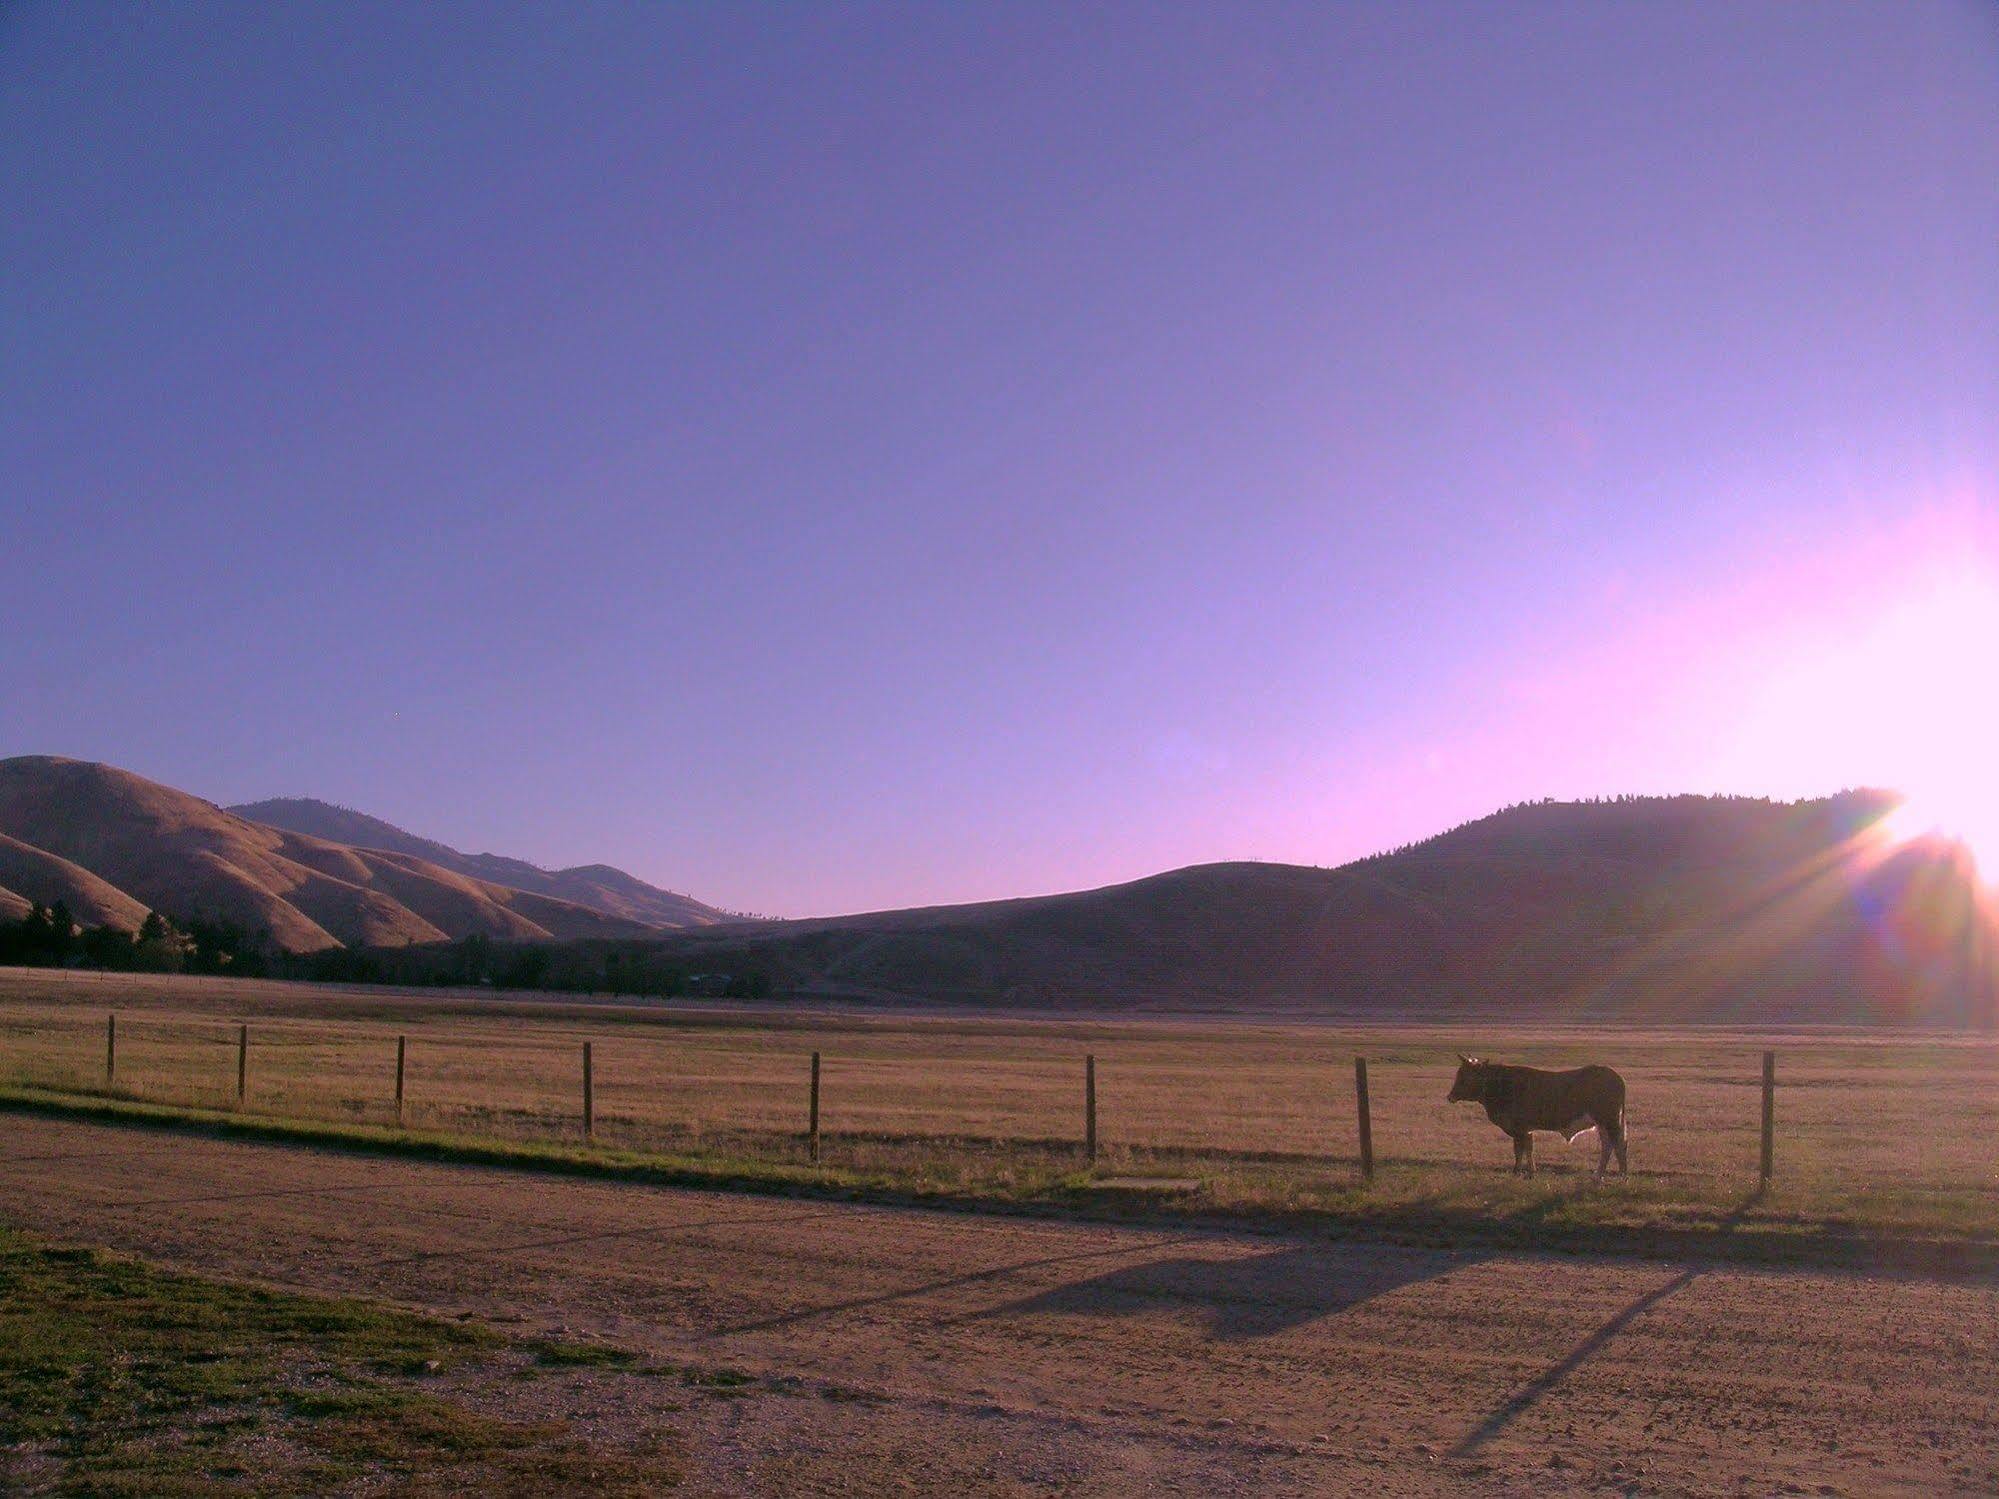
589	1097
1769	1114
812	1123
1090	1108
242	1063
1366	1121
110	1048
402	1051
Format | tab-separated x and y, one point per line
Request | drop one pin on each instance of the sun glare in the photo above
1930	719
1903	698
1975	827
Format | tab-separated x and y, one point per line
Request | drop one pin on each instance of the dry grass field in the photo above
1878	1132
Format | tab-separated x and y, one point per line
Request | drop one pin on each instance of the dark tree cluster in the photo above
478	961
51	937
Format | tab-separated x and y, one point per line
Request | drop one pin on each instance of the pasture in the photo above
1877	1132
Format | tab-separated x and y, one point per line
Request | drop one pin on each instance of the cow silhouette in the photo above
1521	1100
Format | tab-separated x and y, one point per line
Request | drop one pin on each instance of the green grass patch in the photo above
120	1379
583	1356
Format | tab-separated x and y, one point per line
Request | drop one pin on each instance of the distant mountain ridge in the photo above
596	886
113	845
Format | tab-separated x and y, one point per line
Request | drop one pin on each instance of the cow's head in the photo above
1469	1086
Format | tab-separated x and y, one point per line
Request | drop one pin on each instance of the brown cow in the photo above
1521	1100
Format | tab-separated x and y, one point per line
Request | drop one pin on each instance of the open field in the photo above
1878	1132
841	1349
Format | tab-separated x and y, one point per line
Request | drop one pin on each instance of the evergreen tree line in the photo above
563	968
51	937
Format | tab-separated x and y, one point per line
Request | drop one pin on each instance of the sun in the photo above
1929	714
1969	820
1904	696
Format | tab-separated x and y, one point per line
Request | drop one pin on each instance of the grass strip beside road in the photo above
1557	1212
117	1378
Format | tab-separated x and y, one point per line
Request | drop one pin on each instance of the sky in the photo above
832	457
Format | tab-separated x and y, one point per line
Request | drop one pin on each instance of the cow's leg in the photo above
1604	1135
1516	1155
1523	1152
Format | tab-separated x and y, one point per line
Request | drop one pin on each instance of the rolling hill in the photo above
115	845
1680	907
91	901
597	886
1717	908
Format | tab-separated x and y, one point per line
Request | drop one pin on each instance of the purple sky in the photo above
829	457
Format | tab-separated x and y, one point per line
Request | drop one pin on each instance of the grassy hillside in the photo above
91	900
121	845
598	887
1684	907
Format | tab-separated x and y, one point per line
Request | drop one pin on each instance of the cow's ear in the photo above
1465	1059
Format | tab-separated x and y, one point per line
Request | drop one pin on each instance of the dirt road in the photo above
904	1351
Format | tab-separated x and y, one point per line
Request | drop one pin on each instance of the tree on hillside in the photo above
106	947
25	941
160	947
475	959
528	970
50	936
62	933
224	947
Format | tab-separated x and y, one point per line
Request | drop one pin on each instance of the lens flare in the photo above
1970	823
1905	699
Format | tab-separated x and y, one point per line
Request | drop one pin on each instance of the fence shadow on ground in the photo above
926	1288
1241	1297
1545	1383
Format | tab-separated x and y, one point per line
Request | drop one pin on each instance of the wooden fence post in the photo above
812	1123
1090	1108
1769	1115
589	1097
242	1064
110	1048
402	1051
1366	1121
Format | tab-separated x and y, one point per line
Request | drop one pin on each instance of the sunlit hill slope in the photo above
114	845
597	886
